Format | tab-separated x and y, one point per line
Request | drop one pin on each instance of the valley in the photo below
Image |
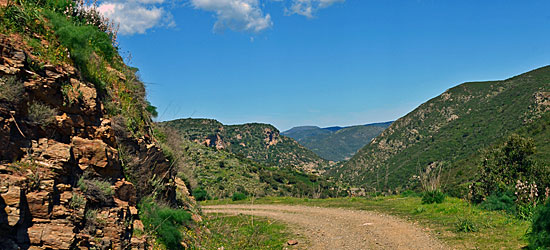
87	162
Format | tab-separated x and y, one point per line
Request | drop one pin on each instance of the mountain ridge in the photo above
336	143
450	130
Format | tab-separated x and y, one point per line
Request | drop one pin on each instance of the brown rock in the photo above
12	199
292	242
55	235
38	204
138	225
93	153
133	211
125	190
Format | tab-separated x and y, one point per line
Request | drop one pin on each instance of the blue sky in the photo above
322	62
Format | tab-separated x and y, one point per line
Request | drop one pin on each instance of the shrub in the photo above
237	196
539	237
164	222
200	194
41	114
11	89
435	196
77	201
504	201
466	225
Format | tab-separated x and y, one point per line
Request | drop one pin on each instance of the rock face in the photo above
62	185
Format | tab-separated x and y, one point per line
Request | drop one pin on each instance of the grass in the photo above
446	221
245	232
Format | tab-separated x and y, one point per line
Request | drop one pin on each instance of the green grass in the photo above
446	221
244	232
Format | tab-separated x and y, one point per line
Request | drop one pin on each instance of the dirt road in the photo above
335	228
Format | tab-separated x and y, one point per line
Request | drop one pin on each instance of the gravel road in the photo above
336	228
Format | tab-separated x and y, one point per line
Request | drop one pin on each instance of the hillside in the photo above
222	174
259	142
336	143
451	129
77	159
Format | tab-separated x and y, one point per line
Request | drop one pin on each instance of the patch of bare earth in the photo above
336	228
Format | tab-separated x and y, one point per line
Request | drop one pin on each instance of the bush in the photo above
539	237
11	89
164	222
238	196
200	194
504	201
466	225
435	196
41	114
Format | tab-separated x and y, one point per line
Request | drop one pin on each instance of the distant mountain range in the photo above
336	143
451	131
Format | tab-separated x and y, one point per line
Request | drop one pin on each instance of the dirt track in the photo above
335	228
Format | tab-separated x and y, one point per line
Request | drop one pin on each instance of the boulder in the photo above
93	153
55	235
125	190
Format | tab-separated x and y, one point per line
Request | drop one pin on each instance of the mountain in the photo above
336	143
451	130
219	173
259	142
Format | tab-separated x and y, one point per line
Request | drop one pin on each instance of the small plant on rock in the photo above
41	114
11	89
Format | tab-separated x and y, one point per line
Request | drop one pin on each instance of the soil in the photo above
337	228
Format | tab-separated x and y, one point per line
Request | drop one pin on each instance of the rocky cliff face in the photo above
63	181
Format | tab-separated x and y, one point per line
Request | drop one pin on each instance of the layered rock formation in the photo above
62	181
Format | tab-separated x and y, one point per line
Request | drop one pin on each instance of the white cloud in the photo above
308	8
239	15
136	16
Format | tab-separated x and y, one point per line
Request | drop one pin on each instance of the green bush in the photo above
539	237
238	196
435	196
200	194
82	41
466	225
504	201
164	222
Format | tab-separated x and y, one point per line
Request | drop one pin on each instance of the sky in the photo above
321	62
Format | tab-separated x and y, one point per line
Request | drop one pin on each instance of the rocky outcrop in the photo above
62	184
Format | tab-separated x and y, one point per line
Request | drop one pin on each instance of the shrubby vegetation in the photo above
164	222
539	237
41	114
11	89
510	180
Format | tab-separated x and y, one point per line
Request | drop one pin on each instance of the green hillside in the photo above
451	129
259	142
222	174
336	143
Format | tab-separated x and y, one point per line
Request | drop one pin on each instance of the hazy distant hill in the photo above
336	143
451	129
259	142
